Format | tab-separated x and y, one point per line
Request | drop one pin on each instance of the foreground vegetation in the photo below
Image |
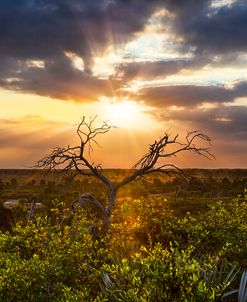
118	248
150	254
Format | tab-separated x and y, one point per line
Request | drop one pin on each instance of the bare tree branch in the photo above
149	163
74	160
88	198
69	158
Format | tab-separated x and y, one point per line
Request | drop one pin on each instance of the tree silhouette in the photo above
76	159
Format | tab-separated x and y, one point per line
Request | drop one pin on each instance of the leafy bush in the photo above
159	274
149	255
46	262
220	232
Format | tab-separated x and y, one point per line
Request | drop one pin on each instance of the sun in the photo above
125	114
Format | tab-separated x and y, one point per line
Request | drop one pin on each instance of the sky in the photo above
148	67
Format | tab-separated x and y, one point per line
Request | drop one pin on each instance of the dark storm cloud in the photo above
225	125
37	29
155	69
59	79
205	32
241	89
223	32
211	30
8	66
185	95
191	95
223	121
45	30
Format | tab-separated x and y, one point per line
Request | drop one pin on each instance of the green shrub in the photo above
159	274
220	232
149	255
46	262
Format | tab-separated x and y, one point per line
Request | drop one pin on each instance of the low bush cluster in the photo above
149	255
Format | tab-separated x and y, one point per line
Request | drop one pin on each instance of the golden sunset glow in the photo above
126	114
123	150
145	69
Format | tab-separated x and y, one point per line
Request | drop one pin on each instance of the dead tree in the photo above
76	160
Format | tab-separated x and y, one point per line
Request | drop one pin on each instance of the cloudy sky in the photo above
147	66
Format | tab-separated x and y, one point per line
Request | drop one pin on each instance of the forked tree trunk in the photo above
88	199
108	211
74	159
106	223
